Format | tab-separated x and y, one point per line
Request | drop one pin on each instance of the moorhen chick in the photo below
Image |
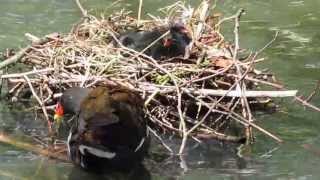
109	131
170	46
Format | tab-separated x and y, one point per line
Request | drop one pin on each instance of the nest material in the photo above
202	96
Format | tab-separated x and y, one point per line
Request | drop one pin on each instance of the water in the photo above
293	57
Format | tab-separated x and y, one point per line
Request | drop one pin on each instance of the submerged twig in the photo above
32	147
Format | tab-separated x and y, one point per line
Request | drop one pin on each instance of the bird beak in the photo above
57	118
58	114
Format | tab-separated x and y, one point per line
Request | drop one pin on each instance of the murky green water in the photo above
294	57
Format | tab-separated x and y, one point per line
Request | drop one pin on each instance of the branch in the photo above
305	103
15	58
40	103
236	93
139	12
83	11
32	147
19	55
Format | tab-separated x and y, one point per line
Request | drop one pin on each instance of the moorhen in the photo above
109	131
170	46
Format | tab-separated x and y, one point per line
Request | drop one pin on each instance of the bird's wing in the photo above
100	119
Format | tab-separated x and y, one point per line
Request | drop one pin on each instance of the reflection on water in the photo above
294	57
139	172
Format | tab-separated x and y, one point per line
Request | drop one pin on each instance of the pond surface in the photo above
294	57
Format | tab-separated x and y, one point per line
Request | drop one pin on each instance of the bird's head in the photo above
179	28
178	34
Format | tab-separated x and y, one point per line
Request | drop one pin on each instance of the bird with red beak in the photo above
109	129
172	45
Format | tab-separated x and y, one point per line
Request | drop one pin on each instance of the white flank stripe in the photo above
139	146
147	134
96	152
68	143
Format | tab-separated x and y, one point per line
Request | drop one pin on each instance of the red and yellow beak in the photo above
58	114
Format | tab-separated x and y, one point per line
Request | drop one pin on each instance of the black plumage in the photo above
179	41
110	129
172	45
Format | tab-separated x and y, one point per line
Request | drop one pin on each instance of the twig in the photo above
19	55
227	93
317	87
16	75
15	58
83	11
183	124
31	147
241	86
139	12
221	137
244	121
44	110
32	37
202	18
161	140
219	92
268	44
305	103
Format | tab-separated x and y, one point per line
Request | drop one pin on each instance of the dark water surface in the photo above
294	57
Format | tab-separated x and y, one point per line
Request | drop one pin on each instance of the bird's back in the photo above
111	124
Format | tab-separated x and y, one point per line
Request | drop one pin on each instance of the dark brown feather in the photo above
109	120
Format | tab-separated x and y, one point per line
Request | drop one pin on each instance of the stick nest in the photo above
201	96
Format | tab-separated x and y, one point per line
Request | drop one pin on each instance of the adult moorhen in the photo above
170	46
110	129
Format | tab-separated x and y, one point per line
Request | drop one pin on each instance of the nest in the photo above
206	94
